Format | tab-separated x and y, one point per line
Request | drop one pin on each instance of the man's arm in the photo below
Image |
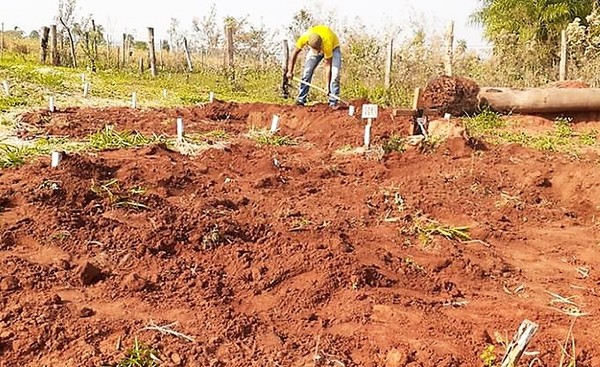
328	66
290	73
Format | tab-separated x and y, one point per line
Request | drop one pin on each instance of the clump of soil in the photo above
453	95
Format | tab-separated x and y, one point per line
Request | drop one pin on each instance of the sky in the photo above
134	16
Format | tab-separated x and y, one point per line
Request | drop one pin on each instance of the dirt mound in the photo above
453	95
265	255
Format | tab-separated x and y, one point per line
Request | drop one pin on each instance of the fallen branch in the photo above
167	329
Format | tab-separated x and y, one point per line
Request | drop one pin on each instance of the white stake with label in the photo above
180	129
56	157
369	112
51	103
211	97
350	110
86	89
133	100
275	124
6	88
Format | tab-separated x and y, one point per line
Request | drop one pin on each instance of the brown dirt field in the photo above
313	261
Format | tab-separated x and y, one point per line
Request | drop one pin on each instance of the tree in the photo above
530	20
301	21
207	30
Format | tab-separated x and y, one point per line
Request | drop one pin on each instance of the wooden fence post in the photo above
152	55
124	49
515	349
388	65
2	41
562	73
44	44
449	38
187	54
54	46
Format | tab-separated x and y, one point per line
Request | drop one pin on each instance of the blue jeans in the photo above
312	60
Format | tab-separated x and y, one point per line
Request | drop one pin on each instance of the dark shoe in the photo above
298	103
334	107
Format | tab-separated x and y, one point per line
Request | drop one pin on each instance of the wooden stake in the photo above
562	74
54	45
388	65
449	38
152	51
417	98
187	55
519	343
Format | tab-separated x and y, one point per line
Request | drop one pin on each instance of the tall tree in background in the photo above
301	21
531	20
207	30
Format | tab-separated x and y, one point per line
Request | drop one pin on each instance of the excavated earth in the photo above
305	255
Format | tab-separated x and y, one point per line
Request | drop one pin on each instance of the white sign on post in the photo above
369	111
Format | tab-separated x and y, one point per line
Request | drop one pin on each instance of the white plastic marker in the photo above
133	100
164	93
369	112
56	157
275	124
6	88
447	116
180	129
211	97
86	89
51	103
82	77
350	110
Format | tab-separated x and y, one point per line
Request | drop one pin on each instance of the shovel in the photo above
286	92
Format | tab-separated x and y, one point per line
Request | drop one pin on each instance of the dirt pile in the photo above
454	95
294	256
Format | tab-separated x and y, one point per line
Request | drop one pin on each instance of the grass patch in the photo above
109	138
484	122
140	355
266	137
394	144
426	229
14	156
118	196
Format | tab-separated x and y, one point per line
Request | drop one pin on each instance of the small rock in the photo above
134	282
86	312
176	359
63	264
54	300
5	335
9	283
89	274
395	358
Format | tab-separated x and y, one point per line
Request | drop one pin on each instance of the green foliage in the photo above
140	355
395	143
13	156
484	121
266	137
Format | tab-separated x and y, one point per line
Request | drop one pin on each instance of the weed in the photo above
140	355
488	356
266	137
14	156
109	138
413	264
117	196
394	144
300	224
426	229
484	121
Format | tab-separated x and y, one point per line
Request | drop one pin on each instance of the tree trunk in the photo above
72	43
44	44
187	55
540	100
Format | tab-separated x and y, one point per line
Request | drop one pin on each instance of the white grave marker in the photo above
447	116
211	97
133	100
86	89
179	129
351	110
275	124
164	93
51	103
56	157
369	112
82	77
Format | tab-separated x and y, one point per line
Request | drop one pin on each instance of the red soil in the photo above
313	261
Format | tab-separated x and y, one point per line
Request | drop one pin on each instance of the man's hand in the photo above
289	75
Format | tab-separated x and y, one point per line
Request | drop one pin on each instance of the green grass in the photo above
140	355
109	138
426	229
14	156
266	137
394	144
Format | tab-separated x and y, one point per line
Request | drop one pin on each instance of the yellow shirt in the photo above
330	39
